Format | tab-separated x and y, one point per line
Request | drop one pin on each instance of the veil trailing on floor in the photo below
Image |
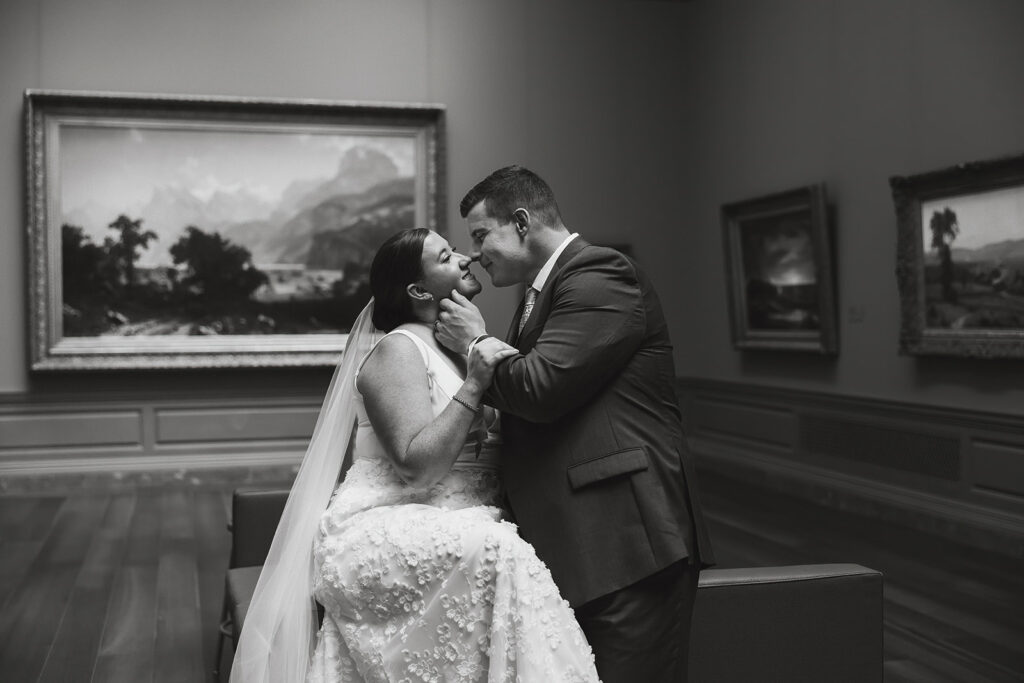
280	628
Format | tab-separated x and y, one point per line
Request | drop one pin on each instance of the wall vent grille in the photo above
932	455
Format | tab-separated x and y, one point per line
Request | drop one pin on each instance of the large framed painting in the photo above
182	232
960	260
778	255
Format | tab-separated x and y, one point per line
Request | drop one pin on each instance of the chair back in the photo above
254	517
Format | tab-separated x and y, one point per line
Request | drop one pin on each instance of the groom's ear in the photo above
522	218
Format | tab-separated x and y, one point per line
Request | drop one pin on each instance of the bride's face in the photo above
444	269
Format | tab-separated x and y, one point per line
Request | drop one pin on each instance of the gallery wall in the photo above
848	93
589	96
645	116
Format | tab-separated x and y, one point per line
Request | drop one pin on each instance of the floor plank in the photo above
212	537
129	624
16	558
77	640
179	647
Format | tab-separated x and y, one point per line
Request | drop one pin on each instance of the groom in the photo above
594	461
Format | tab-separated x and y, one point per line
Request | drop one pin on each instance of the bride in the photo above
419	576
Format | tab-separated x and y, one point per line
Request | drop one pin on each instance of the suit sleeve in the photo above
595	324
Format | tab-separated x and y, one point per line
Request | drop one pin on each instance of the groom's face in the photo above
498	247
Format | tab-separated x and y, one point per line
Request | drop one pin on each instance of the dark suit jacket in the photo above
594	461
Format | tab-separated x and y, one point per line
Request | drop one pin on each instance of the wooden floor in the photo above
113	586
951	613
126	585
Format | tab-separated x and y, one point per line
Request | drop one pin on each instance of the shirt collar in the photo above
545	272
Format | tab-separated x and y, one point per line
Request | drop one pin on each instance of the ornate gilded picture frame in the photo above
960	260
780	274
185	232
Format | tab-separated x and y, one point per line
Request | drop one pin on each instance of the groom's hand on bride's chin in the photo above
459	322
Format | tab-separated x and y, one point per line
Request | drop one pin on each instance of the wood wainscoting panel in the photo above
905	447
71	428
235	424
945	471
998	467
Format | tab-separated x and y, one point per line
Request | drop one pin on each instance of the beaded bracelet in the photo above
466	403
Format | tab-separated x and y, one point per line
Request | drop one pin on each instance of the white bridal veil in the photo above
280	628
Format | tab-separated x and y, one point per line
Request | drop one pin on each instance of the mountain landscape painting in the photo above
216	230
973	249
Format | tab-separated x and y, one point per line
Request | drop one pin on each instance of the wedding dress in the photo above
430	584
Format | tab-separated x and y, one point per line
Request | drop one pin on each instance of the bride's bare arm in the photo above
393	382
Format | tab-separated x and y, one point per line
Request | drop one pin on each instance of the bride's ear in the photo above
417	293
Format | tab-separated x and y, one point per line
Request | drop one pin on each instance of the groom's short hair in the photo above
511	188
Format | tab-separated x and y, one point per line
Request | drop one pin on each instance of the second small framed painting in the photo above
960	260
778	256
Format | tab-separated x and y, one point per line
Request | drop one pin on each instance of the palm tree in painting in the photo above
945	227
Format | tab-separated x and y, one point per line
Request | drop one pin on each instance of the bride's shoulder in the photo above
397	349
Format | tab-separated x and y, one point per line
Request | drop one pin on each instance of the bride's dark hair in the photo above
396	265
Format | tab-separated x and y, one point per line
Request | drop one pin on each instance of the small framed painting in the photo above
779	270
960	260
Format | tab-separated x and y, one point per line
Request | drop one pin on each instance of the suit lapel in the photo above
543	303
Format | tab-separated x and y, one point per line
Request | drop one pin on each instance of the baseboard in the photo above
193	471
147	463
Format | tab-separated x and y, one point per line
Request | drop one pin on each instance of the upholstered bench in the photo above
815	623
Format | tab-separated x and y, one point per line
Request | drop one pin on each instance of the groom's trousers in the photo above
642	632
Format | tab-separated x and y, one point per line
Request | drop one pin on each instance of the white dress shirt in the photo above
549	265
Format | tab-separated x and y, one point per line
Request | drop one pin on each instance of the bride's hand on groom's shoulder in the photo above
458	323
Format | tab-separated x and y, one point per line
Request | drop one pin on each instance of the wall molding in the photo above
955	473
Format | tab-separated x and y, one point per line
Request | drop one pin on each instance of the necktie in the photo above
531	297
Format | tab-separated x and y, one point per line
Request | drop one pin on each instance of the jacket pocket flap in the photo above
611	465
